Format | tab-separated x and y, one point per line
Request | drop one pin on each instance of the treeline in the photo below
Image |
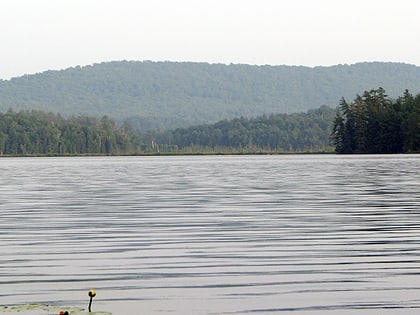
40	133
299	132
374	123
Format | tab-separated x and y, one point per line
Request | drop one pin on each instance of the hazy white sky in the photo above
37	35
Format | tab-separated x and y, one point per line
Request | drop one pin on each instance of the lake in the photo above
301	234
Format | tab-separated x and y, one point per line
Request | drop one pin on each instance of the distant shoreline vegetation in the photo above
37	133
276	133
373	123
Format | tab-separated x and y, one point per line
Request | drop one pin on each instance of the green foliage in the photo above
373	123
40	133
168	95
299	132
41	309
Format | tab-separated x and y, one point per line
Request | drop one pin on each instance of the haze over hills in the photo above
173	94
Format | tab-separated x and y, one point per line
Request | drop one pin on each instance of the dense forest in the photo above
374	123
40	133
168	95
298	132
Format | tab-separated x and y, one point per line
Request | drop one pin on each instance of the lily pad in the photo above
40	309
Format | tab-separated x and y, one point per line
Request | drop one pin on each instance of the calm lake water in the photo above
301	234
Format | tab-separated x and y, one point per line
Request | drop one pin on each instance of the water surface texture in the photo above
311	234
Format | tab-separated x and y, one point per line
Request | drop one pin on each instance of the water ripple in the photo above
213	235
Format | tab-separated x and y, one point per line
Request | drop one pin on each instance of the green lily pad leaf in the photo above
40	309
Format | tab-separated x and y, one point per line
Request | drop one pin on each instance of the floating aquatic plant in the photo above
43	309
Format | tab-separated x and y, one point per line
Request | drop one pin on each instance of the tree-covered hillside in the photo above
297	132
171	94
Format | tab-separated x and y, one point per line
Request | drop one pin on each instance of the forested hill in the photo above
179	94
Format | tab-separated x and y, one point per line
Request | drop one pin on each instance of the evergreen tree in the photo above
373	123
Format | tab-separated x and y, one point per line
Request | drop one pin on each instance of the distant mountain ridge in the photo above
178	94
